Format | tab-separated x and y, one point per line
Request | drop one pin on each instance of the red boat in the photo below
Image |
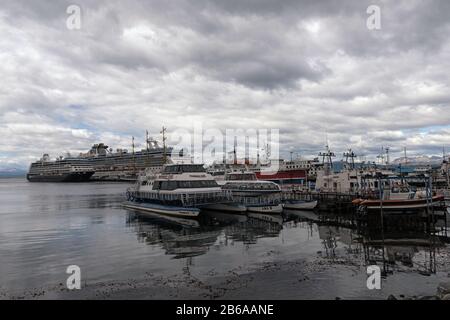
284	178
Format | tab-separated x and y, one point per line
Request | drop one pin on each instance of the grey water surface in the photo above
46	227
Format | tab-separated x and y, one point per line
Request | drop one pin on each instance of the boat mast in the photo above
134	158
163	132
148	147
328	157
234	152
387	156
350	154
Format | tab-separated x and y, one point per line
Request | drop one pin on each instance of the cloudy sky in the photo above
309	68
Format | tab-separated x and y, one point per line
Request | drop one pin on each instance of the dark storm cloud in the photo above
310	68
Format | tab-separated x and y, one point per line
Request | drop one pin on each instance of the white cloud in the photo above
304	67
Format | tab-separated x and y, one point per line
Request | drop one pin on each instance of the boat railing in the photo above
184	198
203	198
259	200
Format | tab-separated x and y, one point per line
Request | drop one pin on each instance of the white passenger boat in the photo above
252	194
178	190
300	205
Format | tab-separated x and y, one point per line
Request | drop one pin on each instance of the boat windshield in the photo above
180	168
173	185
400	189
252	186
241	177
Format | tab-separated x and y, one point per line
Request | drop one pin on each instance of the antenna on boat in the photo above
327	155
350	154
163	132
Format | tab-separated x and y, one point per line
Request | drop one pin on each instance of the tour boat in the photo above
178	190
251	194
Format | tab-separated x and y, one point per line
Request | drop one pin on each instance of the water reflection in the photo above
191	237
403	245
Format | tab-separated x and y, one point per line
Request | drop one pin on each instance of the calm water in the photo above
45	227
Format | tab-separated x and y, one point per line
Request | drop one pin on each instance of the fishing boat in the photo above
178	190
400	199
299	204
250	194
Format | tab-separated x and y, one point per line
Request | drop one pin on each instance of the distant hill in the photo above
423	159
12	172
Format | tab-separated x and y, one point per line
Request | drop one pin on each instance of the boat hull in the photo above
69	177
300	205
227	207
400	206
268	209
161	209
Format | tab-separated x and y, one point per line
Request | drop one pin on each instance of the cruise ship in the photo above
60	170
123	165
101	163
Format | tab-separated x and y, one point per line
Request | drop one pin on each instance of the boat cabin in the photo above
182	168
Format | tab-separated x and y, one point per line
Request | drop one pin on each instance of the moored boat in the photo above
178	190
59	170
400	199
252	194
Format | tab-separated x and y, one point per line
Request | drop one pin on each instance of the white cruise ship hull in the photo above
161	209
63	177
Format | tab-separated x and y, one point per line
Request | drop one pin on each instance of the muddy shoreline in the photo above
284	280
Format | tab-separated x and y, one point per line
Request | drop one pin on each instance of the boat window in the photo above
172	185
241	176
156	185
184	168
